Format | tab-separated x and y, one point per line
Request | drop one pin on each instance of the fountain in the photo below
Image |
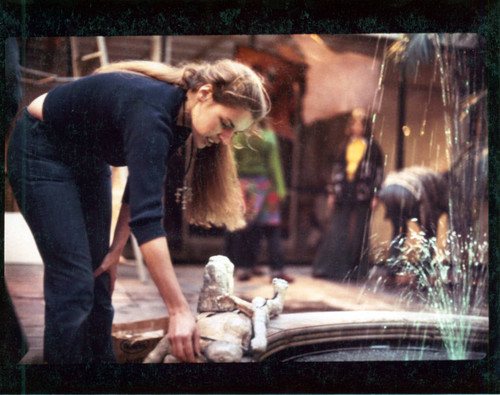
449	285
453	284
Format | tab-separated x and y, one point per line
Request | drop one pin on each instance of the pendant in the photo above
183	195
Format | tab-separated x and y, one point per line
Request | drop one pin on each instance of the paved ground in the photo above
135	300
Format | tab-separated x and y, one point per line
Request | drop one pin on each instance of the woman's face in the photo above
357	127
214	123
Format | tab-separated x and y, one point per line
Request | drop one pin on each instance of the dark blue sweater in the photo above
124	120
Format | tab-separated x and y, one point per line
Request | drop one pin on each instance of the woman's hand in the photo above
110	265
184	337
122	233
182	333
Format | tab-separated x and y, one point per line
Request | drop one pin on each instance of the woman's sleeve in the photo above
276	166
379	168
338	172
147	142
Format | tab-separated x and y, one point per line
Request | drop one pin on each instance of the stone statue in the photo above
225	322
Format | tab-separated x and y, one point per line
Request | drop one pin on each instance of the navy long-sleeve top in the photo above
121	119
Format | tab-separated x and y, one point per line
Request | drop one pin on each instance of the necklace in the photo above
184	194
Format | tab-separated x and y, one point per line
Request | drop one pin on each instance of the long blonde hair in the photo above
217	198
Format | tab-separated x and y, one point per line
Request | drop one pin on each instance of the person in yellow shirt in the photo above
357	174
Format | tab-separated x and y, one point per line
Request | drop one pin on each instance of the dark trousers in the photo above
243	247
68	209
343	252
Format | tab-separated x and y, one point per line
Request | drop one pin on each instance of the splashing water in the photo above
453	282
447	287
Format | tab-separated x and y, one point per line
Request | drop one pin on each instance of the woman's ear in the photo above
205	92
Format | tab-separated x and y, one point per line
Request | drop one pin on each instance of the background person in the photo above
261	178
357	174
418	193
133	114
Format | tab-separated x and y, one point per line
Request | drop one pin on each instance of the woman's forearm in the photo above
120	237
157	256
122	230
183	335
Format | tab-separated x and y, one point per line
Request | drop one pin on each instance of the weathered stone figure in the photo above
225	322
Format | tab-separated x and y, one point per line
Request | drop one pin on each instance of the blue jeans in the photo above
67	206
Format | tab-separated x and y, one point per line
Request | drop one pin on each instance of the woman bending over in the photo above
134	114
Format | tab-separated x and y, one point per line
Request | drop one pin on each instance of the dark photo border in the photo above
196	17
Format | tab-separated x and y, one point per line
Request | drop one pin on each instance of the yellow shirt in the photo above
354	153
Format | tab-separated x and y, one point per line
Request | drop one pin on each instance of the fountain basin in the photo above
372	335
